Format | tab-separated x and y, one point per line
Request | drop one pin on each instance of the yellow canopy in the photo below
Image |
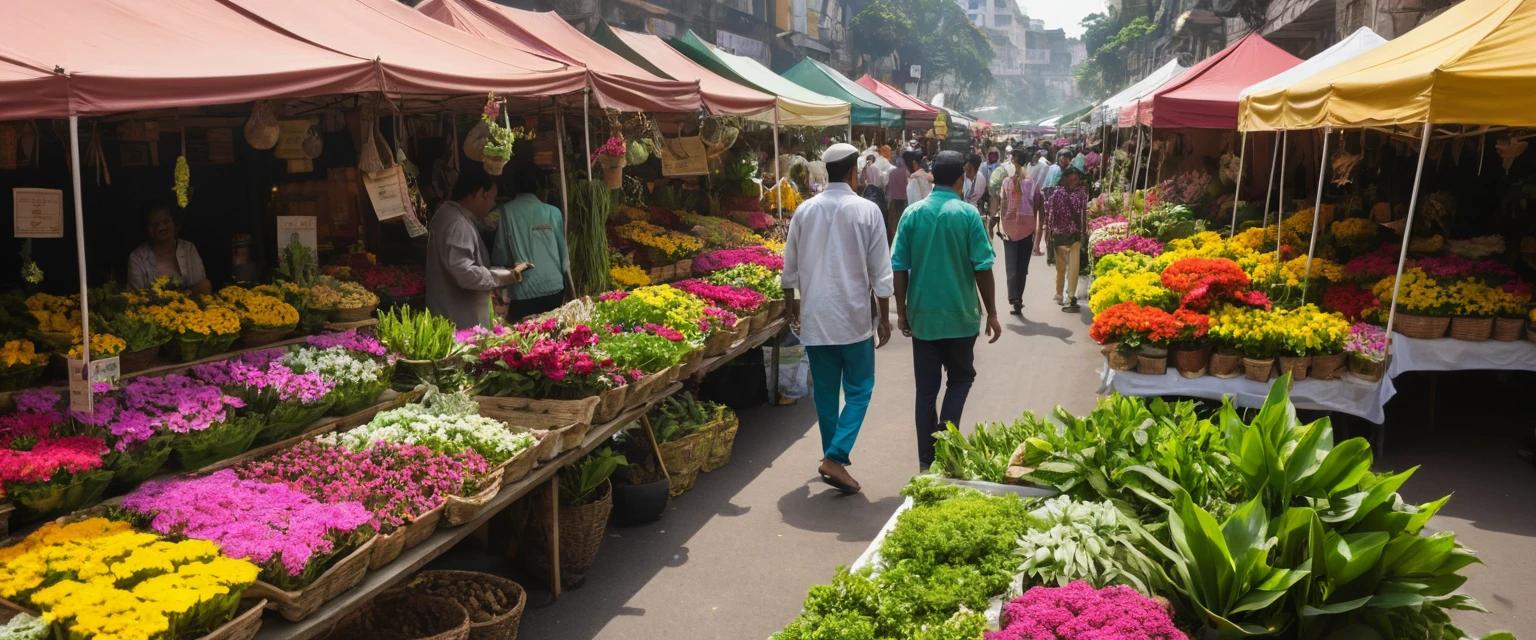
1471	65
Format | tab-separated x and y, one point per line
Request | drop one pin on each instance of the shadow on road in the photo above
814	506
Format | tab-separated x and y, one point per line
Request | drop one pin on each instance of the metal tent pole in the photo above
1242	150
85	298
1402	255
1317	210
778	168
586	125
565	196
1274	163
1285	148
1136	167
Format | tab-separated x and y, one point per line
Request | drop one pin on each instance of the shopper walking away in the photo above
1066	211
975	187
896	195
531	239
837	260
1039	169
920	184
1018	202
943	259
460	277
1053	174
871	179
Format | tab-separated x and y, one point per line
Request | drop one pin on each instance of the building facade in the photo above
1305	27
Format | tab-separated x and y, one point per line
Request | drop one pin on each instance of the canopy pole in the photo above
778	168
1317	210
1402	254
1136	168
586	125
1242	149
1285	148
565	197
1274	164
85	298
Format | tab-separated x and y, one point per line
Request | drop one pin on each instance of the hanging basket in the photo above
1421	327
1258	369
1329	367
298	605
1508	329
494	166
1151	361
1192	363
405	615
1471	329
1297	366
495	604
613	171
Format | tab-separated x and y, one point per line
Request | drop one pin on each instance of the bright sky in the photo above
1067	14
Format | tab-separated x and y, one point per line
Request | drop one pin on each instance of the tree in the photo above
1107	65
876	30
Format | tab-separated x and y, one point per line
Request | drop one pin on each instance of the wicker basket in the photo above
530	412
775	309
582	529
1329	367
519	466
500	625
1471	329
461	509
725	439
298	605
719	342
1508	329
682	460
610	404
255	337
386	548
355	314
691	364
682	268
1368	370
1421	327
131	361
743	328
548	448
401	615
1258	369
760	320
1119	359
1297	366
663	273
243	626
423	527
1225	365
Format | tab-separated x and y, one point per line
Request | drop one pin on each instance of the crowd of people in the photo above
920	230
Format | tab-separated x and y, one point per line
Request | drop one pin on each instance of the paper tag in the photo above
414	227
684	157
388	191
299	229
39	213
81	398
106	370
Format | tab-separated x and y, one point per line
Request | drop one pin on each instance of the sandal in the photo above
844	488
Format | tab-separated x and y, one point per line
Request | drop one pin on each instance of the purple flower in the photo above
1136	244
271	376
350	340
167	404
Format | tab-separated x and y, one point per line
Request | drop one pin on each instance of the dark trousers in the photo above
893	211
519	309
931	361
1016	255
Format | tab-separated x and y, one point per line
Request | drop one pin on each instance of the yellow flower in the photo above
20	353
1476	298
103	345
670	244
1143	287
628	276
328	294
1419	293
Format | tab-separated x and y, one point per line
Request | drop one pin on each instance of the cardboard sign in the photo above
684	157
80	396
388	192
39	213
290	138
300	229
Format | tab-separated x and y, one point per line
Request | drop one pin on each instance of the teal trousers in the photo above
848	371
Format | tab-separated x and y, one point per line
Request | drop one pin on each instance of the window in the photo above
1002	20
975	4
1001	4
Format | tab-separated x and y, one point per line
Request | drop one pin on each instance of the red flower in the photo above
1135	324
1203	282
1351	300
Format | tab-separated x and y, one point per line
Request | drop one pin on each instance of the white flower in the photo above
419	425
336	364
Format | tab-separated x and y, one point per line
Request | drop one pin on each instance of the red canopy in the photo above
121	55
721	96
617	83
1206	96
416	54
918	114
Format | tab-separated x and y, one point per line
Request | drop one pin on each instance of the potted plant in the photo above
143	338
44	475
586	501
499	140
1137	328
678	425
357	379
284	401
642	491
1191	350
1514	300
1476	303
1423	305
1253	333
610	157
425	343
1367	349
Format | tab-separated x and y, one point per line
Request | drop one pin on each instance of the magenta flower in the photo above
246	376
738	299
148	406
720	259
1080	612
350	340
49	457
1136	244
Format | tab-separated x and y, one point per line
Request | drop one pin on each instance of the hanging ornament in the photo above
261	130
1509	149
183	185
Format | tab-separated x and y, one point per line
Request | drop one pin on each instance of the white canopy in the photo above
1110	108
1361	41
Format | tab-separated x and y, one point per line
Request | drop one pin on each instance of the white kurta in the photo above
835	257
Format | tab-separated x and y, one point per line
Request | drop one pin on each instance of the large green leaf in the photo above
1349	556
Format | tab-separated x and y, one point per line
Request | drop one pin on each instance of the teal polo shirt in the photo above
533	232
941	243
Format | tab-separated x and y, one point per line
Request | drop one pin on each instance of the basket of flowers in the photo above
142	337
20	364
542	375
281	399
1367	349
757	278
57	475
197	332
357	380
343	301
264	318
1424	306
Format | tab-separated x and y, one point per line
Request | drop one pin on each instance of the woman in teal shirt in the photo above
531	236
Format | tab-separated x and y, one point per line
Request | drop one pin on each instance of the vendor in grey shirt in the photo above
459	276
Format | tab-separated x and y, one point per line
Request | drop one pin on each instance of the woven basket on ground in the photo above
1471	329
461	509
423	527
1508	329
356	314
494	604
682	459
1421	327
404	615
725	439
582	529
298	605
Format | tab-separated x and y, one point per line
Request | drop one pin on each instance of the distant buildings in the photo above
1305	27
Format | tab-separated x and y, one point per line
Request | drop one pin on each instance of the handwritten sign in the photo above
300	229
39	212
388	192
290	138
684	157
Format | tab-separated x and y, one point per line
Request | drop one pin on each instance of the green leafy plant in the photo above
417	335
985	453
298	264
1093	542
647	352
138	332
680	416
591	204
580	482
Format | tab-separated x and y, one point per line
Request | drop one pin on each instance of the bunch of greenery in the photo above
580	482
681	415
417	335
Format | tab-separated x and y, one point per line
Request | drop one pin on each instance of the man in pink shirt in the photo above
895	196
1019	199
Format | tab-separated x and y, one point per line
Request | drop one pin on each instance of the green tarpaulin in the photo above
867	109
797	105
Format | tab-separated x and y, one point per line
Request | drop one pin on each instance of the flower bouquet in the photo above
720	259
1367	349
20	365
285	401
357	380
98	578
611	157
46	476
300	544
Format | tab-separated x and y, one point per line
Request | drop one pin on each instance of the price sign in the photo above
39	213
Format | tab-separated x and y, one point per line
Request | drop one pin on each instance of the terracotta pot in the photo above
1508	329
1258	370
1368	370
1297	366
1329	367
1225	365
1192	363
1152	361
1120	359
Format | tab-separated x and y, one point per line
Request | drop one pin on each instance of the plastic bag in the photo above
794	372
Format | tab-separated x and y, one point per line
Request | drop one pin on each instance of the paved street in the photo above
733	558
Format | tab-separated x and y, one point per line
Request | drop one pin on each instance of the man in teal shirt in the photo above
531	236
942	259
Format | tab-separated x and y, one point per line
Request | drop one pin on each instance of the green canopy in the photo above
797	105
867	109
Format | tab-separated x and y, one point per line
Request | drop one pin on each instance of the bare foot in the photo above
837	475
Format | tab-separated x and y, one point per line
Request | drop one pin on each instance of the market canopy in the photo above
797	105
114	57
414	54
867	109
1206	96
721	96
1470	65
919	115
616	82
1109	110
1254	115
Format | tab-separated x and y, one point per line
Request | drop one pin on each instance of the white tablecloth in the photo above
1349	395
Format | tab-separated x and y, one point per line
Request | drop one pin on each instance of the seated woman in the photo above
164	254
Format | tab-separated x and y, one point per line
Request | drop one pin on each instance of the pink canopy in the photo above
721	96
918	114
617	83
118	55
415	54
1206	96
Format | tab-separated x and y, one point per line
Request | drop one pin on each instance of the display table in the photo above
1349	395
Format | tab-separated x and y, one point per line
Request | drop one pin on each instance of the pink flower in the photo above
1137	244
720	259
739	299
1080	612
49	457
